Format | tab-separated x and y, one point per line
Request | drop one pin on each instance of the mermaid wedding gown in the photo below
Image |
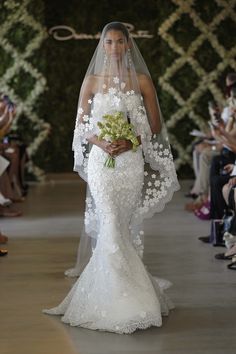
115	292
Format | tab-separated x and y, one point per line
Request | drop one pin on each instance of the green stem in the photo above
110	162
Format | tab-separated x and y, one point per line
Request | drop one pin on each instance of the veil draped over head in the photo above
115	82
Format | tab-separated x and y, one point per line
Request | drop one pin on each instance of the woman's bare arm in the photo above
87	91
225	138
150	101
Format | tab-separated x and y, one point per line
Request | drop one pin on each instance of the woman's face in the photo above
115	44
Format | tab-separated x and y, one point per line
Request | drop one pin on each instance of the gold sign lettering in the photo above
65	33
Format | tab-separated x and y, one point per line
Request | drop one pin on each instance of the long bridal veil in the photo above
116	78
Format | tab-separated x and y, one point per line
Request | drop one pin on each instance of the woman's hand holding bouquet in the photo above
119	134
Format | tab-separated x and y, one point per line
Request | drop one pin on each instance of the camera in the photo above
10	105
214	112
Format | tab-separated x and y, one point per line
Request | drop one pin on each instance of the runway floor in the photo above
43	243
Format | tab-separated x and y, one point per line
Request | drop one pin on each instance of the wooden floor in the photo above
43	244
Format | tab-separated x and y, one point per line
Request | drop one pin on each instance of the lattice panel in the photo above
19	65
188	56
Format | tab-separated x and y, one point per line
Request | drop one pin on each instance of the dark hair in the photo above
116	26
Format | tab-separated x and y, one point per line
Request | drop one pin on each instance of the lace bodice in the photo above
130	103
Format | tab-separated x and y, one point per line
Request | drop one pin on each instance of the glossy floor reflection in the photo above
43	244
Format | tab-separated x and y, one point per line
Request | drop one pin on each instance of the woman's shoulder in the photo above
94	80
143	78
145	82
90	80
90	83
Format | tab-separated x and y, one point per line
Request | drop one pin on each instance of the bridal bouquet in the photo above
115	127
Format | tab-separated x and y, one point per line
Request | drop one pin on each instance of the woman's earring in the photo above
105	60
129	57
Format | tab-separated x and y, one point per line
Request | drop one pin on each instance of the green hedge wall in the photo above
67	61
64	63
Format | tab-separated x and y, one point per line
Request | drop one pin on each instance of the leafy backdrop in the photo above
193	47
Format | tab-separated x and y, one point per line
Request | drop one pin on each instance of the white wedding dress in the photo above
115	292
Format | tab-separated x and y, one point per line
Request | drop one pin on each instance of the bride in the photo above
114	291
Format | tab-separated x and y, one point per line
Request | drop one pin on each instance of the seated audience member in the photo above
7	165
207	148
222	166
6	205
221	174
8	150
229	194
214	156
